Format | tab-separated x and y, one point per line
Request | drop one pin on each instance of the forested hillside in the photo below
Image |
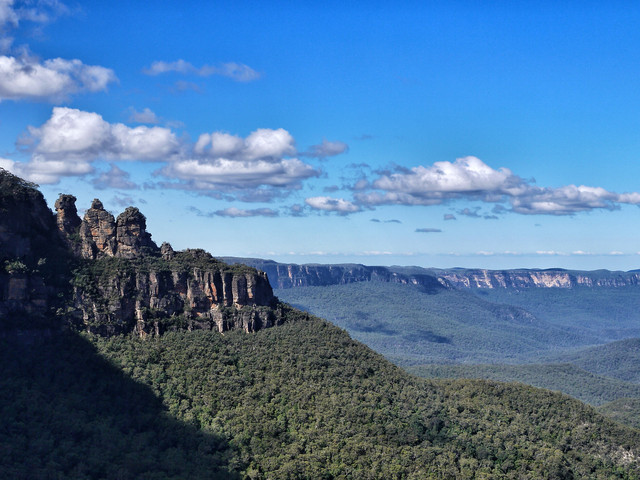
412	325
301	400
565	377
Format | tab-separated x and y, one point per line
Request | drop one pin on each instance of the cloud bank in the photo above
471	179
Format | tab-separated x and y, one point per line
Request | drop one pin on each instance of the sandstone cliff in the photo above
190	290
286	275
525	278
106	275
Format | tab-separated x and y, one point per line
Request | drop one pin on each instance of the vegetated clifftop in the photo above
106	275
288	275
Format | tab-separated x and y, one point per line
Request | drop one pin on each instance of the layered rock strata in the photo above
175	295
107	276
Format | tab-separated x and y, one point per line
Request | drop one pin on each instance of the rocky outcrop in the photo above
67	215
98	232
107	276
131	234
190	292
33	256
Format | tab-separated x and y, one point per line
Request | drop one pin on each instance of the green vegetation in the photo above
619	359
624	410
603	314
67	413
410	325
574	381
297	401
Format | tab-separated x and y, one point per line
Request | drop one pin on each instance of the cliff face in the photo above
287	275
284	275
32	254
189	291
522	279
106	275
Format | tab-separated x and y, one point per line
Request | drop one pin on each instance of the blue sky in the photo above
429	133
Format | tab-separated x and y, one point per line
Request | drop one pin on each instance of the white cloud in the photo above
53	80
72	133
223	173
472	179
42	171
263	143
235	71
179	66
257	166
7	13
328	204
39	11
68	143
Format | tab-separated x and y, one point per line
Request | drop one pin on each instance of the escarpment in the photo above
106	274
191	290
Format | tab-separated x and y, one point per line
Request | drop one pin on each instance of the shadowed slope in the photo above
65	412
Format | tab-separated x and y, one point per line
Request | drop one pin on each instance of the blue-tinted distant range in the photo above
438	134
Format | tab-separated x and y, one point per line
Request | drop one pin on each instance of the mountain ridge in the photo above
290	275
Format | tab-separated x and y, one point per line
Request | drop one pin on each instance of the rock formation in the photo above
98	232
288	275
107	276
67	215
32	254
525	278
193	291
131	234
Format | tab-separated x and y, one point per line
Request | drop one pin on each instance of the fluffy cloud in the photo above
76	134
472	179
71	140
327	149
328	204
8	15
569	199
40	11
257	166
264	143
235	71
53	80
239	174
42	171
